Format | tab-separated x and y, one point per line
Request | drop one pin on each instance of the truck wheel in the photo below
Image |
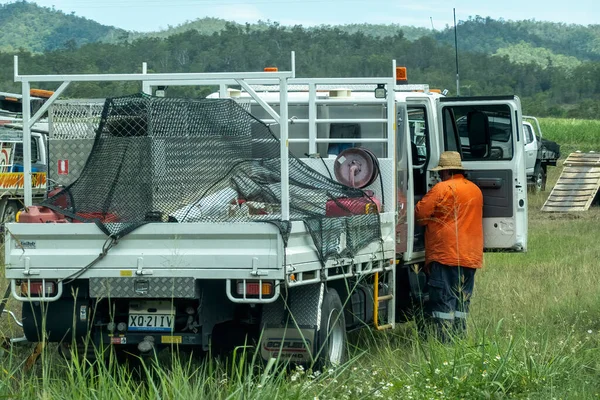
330	346
539	179
10	212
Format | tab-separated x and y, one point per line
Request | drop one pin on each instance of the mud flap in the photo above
290	325
37	351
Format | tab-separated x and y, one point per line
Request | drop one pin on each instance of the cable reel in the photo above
356	167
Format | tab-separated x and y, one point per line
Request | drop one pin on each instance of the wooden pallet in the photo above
578	184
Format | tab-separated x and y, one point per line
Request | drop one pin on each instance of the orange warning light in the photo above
401	76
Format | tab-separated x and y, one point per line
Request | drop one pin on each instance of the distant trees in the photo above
38	29
548	81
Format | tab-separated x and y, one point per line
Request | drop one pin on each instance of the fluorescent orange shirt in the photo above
452	212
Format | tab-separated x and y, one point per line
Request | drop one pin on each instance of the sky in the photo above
153	15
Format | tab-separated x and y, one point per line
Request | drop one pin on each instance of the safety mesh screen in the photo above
72	132
183	161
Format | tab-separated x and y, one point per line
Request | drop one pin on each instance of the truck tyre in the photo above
330	346
539	179
9	214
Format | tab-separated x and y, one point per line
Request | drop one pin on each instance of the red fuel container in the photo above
39	215
345	207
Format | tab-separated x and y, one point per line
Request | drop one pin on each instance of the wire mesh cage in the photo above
72	131
176	160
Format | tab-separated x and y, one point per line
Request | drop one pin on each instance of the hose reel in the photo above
356	167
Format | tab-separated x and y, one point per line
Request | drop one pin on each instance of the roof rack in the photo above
298	87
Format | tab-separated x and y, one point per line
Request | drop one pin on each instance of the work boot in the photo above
443	329
459	327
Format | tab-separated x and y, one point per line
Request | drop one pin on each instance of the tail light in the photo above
38	288
253	288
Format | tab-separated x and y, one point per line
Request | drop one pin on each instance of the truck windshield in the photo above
18	158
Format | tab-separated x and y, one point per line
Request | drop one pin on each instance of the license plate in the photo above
151	322
151	315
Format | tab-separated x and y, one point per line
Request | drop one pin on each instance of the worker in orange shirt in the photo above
452	212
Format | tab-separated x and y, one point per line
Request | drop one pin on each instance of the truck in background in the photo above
11	153
11	169
539	154
197	283
60	144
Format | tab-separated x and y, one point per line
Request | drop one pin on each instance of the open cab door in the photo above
488	133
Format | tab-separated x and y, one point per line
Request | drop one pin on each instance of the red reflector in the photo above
252	288
36	288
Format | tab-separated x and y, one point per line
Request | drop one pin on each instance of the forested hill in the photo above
487	35
25	25
556	80
320	52
33	28
477	34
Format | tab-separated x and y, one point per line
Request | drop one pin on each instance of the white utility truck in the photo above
539	154
280	207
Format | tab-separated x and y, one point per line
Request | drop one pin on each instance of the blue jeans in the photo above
450	290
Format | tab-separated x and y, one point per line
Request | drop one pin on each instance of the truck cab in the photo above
11	152
11	169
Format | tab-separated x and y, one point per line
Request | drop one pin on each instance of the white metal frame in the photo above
243	298
312	121
213	78
44	297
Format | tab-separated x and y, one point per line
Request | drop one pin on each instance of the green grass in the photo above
534	333
572	134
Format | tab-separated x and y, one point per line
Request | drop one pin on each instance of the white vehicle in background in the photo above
202	282
539	154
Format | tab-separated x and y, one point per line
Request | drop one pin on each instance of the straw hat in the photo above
449	160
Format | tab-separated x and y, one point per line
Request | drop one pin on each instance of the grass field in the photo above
534	333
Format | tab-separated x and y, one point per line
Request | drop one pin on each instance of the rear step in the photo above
378	299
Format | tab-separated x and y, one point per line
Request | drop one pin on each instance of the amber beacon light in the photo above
401	77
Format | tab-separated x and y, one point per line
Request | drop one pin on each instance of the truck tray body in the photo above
194	250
